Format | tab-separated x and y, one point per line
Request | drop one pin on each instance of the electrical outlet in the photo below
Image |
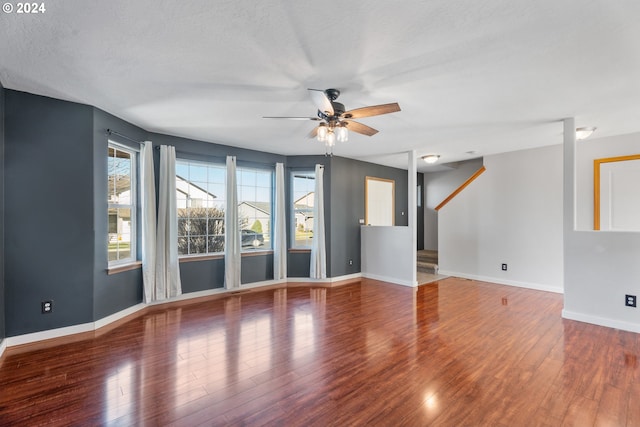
46	306
504	267
350	262
630	300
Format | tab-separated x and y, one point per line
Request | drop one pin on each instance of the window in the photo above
201	195
121	169
303	188
255	207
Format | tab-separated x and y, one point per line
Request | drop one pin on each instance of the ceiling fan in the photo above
335	122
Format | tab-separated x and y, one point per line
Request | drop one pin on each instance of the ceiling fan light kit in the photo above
335	122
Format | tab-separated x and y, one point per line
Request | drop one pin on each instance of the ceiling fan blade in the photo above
359	128
374	110
321	101
313	133
292	118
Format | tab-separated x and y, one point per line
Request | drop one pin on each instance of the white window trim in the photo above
272	171
133	206
207	255
292	228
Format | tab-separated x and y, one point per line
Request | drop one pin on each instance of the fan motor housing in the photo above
332	94
338	108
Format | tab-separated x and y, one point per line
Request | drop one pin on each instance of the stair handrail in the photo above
462	187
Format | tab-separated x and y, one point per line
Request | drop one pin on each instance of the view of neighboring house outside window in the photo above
200	195
121	171
302	187
255	207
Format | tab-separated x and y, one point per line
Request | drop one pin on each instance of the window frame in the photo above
207	164
272	174
132	206
293	223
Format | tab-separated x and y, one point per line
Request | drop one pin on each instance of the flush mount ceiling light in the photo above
431	158
584	132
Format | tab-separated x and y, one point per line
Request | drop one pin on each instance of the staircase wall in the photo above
437	187
511	214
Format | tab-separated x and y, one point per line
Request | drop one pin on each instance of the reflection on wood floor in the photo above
451	353
424	278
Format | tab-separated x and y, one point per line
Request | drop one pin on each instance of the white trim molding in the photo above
601	321
517	284
327	280
119	315
393	280
112	318
49	334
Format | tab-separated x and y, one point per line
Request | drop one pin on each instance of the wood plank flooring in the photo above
451	353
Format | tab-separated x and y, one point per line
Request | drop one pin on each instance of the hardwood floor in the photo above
451	353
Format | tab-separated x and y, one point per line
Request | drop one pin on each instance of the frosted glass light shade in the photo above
585	132
322	132
342	134
331	139
431	158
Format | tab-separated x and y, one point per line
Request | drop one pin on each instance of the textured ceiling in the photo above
486	76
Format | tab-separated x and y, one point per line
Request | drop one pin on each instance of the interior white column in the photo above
569	147
412	214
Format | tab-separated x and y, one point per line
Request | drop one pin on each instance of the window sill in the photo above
124	267
299	251
192	258
256	253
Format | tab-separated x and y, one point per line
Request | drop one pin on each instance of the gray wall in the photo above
111	293
420	213
347	184
2	303
209	274
344	182
298	262
56	206
49	245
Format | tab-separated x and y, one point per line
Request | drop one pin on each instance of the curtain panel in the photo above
167	283
318	265
232	243
280	228
148	213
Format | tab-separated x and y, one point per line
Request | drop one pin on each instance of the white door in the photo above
620	196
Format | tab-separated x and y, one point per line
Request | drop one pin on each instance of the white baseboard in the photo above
391	280
601	321
327	280
49	334
263	284
105	321
527	285
117	316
